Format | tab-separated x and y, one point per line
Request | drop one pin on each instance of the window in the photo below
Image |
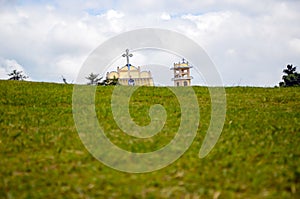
177	83
185	83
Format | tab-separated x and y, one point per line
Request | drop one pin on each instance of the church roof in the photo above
125	68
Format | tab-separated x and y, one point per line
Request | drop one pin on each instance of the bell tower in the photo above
182	76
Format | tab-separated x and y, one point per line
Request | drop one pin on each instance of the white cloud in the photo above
250	42
7	66
209	22
295	45
165	16
113	14
245	48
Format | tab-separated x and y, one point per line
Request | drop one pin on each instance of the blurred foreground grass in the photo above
41	155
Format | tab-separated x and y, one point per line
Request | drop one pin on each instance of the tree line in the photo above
290	78
93	79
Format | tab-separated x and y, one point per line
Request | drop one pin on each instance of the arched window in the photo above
177	83
185	83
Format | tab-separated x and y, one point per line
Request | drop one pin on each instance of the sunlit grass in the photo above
41	155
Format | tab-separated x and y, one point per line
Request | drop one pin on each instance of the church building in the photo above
131	76
134	76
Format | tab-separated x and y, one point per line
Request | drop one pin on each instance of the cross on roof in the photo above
127	55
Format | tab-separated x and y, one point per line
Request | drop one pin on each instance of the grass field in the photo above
41	155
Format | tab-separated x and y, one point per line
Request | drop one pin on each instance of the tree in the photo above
291	77
17	75
289	69
109	82
93	79
113	82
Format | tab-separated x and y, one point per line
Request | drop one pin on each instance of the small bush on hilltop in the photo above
17	75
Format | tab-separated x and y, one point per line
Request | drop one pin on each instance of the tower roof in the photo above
183	64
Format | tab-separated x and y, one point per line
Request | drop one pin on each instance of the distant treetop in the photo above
17	75
291	77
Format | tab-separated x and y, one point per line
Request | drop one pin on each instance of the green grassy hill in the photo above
41	155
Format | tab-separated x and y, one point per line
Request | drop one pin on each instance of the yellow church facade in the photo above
131	76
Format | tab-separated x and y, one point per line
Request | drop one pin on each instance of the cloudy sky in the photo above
249	41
